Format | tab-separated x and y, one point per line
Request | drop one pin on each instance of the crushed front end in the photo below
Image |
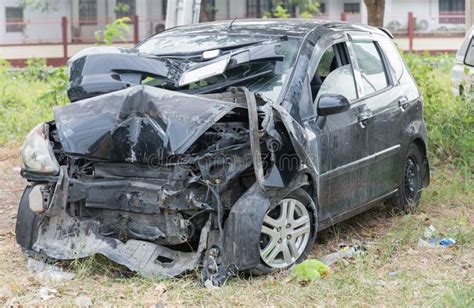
143	176
166	162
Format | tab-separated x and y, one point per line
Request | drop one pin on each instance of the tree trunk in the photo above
202	13
375	12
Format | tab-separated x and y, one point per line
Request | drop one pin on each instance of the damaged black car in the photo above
225	146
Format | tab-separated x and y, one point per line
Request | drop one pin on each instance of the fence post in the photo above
64	28
135	29
343	16
411	30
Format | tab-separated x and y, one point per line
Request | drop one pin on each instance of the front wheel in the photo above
287	233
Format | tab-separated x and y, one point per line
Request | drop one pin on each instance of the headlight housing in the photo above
37	155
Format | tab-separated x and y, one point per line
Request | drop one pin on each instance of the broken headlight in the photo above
37	154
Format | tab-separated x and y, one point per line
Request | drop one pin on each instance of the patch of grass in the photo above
27	97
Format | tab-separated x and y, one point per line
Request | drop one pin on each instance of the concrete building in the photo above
28	25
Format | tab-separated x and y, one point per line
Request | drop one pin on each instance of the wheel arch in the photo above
421	145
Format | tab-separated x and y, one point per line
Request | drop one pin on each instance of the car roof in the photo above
289	27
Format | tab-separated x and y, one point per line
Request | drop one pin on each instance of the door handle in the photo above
364	117
403	103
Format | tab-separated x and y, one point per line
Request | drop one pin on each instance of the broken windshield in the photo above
192	44
261	71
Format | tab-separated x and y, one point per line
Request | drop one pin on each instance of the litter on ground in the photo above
432	239
310	270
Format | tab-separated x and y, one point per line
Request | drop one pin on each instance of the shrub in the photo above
118	29
27	97
449	119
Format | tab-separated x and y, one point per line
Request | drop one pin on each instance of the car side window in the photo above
392	56
463	49
469	59
334	74
371	66
327	63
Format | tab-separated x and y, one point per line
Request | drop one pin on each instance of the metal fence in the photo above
57	39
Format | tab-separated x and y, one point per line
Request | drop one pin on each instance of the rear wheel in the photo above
408	195
287	233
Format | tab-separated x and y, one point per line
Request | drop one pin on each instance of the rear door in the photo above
384	102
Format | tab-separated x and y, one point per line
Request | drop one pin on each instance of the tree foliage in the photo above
118	29
280	12
307	8
39	5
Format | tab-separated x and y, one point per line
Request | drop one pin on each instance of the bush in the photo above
449	119
27	97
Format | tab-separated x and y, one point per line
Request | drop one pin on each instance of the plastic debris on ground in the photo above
49	272
310	270
45	293
345	252
83	300
210	286
432	239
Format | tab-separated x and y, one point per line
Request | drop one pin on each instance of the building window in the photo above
14	19
125	8
256	8
164	8
451	11
352	8
322	8
88	12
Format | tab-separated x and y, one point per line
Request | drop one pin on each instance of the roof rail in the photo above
386	31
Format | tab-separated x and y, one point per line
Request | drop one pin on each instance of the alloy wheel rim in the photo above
411	180
285	233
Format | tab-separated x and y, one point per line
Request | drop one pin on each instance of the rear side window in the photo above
392	56
371	66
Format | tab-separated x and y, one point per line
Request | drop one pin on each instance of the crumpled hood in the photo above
104	69
136	124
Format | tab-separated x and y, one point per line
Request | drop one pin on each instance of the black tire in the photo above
302	196
408	195
27	223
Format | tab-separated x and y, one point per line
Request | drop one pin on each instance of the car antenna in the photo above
231	23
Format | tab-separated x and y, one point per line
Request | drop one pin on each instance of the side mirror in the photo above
332	103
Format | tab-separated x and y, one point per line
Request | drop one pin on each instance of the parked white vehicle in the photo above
463	71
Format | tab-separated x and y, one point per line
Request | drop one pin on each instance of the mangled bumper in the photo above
64	237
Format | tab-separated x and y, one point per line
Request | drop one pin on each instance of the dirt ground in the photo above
396	271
